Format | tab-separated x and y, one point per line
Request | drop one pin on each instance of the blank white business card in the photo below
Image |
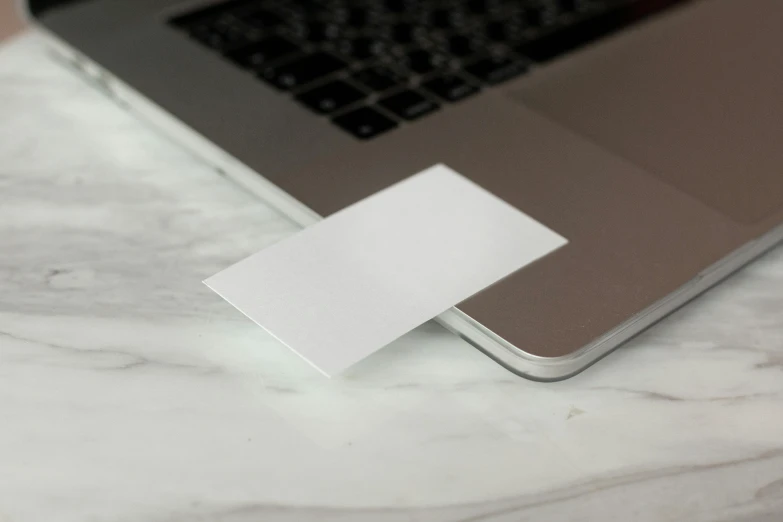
345	287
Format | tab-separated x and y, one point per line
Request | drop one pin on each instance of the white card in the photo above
345	287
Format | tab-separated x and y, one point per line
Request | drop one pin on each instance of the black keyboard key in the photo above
422	61
568	5
478	6
336	12
402	33
496	30
514	31
535	15
262	20
440	18
459	18
505	30
395	6
409	104
263	52
380	48
461	45
365	123
333	31
331	96
451	87
315	31
378	78
362	47
303	71
221	37
358	48
496	69
357	17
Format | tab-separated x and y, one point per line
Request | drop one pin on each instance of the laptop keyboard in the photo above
372	65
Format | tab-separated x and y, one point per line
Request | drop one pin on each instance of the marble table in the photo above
130	392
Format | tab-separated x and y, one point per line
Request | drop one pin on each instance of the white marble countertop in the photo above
130	392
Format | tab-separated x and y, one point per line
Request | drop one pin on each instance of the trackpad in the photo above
692	98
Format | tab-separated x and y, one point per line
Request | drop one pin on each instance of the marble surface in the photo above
130	392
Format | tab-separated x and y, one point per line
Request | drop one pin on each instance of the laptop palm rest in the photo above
693	99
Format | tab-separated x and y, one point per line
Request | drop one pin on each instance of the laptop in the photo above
646	132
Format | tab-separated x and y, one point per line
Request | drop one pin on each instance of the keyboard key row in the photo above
263	52
300	72
366	122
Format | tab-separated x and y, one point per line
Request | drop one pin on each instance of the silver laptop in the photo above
647	132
